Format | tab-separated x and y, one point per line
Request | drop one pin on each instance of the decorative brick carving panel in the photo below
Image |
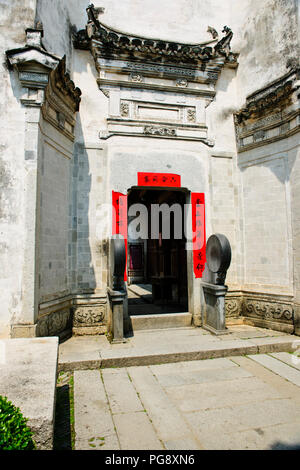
233	307
54	323
92	315
270	311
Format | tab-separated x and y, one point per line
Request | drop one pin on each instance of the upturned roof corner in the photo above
36	67
32	52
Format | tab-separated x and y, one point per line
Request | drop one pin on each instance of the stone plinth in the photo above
117	315
214	316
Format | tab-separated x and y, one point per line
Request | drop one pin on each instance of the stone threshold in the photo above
87	353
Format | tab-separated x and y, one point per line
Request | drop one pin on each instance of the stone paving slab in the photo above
136	432
205	364
28	371
170	425
280	437
196	377
170	345
217	394
288	358
279	367
262	413
256	410
94	426
121	393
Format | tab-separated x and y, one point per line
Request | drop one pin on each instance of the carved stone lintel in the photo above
160	131
182	82
136	77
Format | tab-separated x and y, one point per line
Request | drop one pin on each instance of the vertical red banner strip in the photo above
119	219
199	235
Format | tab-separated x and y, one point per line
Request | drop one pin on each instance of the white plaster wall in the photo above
89	270
219	112
269	198
224	209
54	15
128	156
54	215
12	168
266	34
94	104
294	180
266	254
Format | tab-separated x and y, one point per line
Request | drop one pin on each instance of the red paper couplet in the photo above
199	236
159	179
119	219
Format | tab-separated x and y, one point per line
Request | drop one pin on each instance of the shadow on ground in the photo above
63	427
283	446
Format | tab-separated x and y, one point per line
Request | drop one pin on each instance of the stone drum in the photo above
218	255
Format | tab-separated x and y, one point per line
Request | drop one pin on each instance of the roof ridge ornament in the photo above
213	32
115	42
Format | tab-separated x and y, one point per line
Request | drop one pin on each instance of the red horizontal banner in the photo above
159	179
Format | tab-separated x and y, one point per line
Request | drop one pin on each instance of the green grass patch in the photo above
14	432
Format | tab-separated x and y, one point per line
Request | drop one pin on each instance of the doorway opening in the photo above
157	258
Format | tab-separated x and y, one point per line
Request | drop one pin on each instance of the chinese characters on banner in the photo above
119	219
199	238
159	179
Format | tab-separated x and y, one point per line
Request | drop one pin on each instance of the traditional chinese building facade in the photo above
121	103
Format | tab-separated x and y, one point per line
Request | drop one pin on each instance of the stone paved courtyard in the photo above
235	402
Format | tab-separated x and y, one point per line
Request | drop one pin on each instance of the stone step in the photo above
166	345
160	321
